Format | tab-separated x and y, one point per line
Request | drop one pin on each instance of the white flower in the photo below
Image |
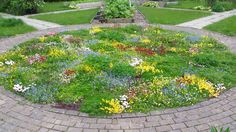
18	88
10	62
21	88
220	86
135	61
123	98
1	64
125	104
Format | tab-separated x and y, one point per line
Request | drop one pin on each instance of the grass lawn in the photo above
69	18
187	4
168	16
58	6
226	26
190	4
11	27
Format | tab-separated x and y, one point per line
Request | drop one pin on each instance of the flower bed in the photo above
116	70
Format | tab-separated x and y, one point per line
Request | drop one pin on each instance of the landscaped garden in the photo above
124	65
115	70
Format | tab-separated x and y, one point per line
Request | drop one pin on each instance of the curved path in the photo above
17	114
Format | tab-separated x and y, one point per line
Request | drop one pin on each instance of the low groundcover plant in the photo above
117	70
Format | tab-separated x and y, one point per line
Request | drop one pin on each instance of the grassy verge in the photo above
11	27
69	18
172	17
187	4
226	26
58	6
190	4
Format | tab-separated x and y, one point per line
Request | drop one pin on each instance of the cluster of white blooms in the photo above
9	62
1	64
20	88
220	87
135	61
124	101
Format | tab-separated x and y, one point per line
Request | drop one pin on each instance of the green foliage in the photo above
218	8
118	9
151	4
214	129
211	3
21	7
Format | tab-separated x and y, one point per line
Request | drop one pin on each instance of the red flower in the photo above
145	51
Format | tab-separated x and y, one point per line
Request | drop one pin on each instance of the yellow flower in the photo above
114	106
144	67
201	83
173	49
42	39
88	68
95	30
56	53
178	35
110	65
146	41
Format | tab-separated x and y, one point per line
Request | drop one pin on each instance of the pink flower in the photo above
52	33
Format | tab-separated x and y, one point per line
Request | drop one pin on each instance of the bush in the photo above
210	3
118	9
218	8
21	7
151	4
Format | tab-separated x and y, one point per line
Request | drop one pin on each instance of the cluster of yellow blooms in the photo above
201	83
56	52
42	39
145	40
144	67
94	30
88	68
114	106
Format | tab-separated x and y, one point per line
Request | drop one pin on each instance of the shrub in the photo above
151	4
21	7
218	8
210	3
118	9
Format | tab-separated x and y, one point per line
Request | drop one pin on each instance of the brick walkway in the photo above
17	114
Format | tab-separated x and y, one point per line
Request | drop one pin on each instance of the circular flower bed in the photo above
115	70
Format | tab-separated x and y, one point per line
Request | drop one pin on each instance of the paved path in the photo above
17	114
38	24
41	25
202	22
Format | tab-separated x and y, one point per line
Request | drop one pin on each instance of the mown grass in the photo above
69	18
171	17
187	4
226	26
11	27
